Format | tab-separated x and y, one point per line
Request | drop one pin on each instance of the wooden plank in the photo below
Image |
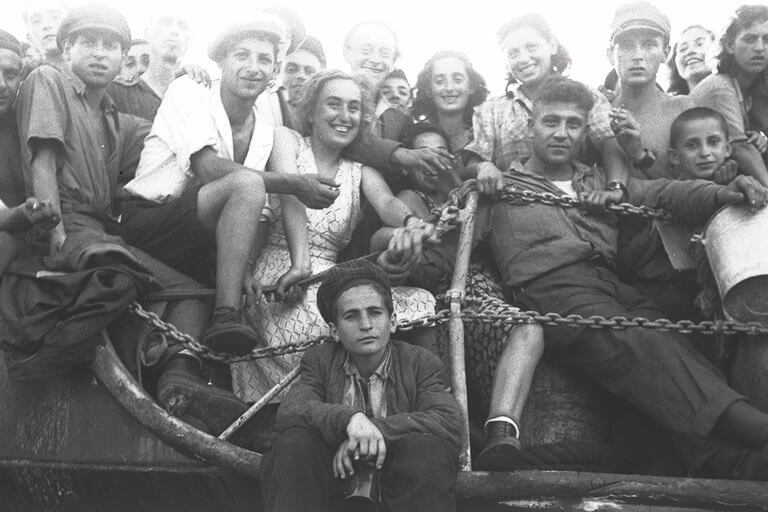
637	489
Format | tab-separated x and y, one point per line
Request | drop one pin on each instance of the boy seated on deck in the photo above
365	400
74	147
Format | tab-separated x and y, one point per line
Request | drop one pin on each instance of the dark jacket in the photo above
417	400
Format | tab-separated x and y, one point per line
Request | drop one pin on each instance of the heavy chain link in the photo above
481	310
511	193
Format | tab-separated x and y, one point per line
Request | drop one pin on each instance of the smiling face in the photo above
337	113
363	322
168	38
558	131
247	68
450	87
636	56
749	49
95	57
370	52
10	79
691	52
701	150
529	55
298	67
43	20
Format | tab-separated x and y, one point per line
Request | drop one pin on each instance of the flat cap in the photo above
640	16
269	28
9	42
347	275
94	17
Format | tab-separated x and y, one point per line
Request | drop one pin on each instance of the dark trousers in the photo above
419	474
658	372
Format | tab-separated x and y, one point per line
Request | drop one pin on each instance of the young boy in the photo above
698	140
364	399
395	93
75	146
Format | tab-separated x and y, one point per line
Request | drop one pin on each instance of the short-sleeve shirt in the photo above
53	106
11	178
136	98
722	93
191	117
502	134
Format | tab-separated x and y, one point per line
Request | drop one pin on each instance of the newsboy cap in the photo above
9	42
267	27
638	16
347	275
94	17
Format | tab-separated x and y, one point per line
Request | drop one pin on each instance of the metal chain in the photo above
500	314
529	196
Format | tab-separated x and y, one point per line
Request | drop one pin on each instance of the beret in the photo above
271	29
347	275
9	42
94	17
640	15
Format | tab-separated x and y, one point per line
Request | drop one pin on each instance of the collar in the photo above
515	94
382	371
580	171
107	106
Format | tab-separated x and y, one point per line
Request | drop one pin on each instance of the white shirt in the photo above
190	118
565	185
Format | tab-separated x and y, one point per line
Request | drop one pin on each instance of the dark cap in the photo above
94	17
640	16
267	27
312	45
347	275
9	42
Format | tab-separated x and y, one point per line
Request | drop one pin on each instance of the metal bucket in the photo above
736	243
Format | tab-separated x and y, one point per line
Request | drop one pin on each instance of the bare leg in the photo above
514	372
231	207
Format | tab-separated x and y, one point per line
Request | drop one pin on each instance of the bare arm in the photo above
283	160
45	187
312	190
390	209
750	161
380	239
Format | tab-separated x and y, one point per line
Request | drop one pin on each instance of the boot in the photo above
227	334
501	450
183	392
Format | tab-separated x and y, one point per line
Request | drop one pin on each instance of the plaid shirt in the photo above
502	135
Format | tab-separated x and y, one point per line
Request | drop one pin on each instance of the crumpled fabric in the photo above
49	321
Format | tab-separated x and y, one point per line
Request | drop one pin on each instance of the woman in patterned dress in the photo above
333	112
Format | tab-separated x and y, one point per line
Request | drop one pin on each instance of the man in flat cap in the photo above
364	400
639	45
200	187
75	146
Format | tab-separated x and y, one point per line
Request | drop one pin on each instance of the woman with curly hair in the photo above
687	64
739	88
333	112
501	131
447	91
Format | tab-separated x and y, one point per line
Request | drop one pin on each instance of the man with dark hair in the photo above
561	260
75	145
395	92
200	186
364	402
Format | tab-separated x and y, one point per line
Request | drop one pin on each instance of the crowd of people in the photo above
118	153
